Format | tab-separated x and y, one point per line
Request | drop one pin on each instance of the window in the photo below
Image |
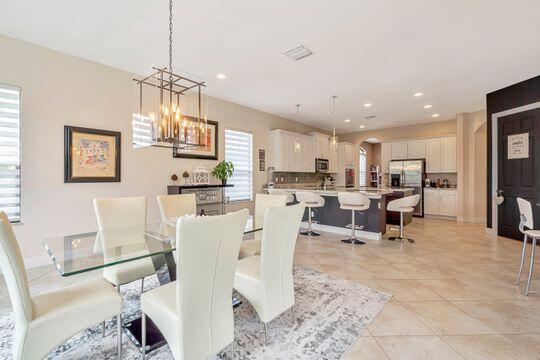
362	168
10	151
239	150
142	131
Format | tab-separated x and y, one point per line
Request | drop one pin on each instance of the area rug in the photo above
331	314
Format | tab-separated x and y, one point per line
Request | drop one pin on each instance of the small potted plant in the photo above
223	171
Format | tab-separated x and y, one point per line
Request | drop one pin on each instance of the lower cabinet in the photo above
440	202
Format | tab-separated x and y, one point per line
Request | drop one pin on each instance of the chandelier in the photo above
168	126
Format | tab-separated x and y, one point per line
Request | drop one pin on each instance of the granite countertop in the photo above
370	193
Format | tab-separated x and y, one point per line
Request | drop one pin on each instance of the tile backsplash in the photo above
294	177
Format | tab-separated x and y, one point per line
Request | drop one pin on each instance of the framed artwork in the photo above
91	155
210	152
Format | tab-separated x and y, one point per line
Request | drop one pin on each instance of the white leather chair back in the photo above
12	265
280	231
525	215
405	204
176	205
263	202
310	198
290	196
208	250
120	212
353	199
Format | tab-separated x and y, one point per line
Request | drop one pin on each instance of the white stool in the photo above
404	205
355	202
311	200
290	196
526	217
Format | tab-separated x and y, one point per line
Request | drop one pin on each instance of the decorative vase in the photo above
224	182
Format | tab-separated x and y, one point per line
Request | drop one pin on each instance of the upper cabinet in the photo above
332	160
346	155
386	156
440	153
321	145
399	150
416	149
284	158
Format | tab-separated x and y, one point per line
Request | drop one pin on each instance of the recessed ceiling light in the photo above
347	120
362	126
418	94
427	106
367	105
328	113
435	115
221	76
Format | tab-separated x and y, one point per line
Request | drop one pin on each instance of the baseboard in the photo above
440	217
474	220
367	235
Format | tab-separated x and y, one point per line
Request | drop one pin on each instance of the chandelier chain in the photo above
170	39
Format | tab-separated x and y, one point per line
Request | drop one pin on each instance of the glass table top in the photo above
79	253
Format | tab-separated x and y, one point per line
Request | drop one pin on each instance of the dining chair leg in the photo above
531	267
293	318
143	341
103	328
142	285
232	350
523	251
265	334
119	335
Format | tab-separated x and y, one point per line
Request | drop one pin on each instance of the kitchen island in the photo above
331	218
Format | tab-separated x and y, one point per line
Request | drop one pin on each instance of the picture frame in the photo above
209	154
91	155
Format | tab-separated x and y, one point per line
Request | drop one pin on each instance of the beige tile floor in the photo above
453	292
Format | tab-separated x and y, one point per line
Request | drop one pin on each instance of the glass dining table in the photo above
80	253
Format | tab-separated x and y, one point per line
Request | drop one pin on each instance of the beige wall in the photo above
402	132
58	90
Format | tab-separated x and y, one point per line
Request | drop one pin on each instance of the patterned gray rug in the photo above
331	314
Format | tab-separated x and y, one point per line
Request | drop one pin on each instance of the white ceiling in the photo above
377	51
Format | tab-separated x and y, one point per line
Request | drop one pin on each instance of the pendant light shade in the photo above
332	141
297	143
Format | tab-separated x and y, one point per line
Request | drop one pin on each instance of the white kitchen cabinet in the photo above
416	149
399	150
283	157
321	147
433	155
386	156
440	202
332	160
448	154
346	155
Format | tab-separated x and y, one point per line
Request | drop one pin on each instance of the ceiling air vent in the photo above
298	53
371	117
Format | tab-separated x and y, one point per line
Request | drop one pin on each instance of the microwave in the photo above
321	165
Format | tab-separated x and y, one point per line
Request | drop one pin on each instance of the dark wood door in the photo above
518	177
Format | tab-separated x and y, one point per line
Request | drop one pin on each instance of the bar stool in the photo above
311	200
290	196
404	205
354	202
526	221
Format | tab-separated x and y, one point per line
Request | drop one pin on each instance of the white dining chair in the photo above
403	205
176	205
311	200
117	213
266	280
526	226
262	202
195	313
45	321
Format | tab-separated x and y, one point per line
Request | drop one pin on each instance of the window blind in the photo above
239	150
142	131
10	151
362	169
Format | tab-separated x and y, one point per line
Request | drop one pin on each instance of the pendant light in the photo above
333	139
297	143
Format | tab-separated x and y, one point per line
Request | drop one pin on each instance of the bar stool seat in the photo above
526	226
311	200
355	202
403	205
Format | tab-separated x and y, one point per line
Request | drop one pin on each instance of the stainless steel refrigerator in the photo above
409	174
